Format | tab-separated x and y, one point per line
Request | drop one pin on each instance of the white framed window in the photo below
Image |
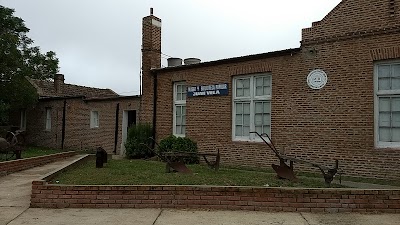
387	104
179	120
22	125
94	119
48	119
251	106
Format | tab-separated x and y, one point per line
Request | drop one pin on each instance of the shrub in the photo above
179	144
137	140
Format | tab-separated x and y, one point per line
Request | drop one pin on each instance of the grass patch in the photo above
356	179
372	181
32	152
36	151
140	172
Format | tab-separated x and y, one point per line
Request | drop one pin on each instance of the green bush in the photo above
179	144
137	140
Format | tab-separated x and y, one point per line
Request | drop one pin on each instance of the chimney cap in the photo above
59	76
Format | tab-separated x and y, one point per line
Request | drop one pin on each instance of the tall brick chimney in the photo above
58	83
151	58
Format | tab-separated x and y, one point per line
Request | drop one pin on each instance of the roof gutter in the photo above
290	51
43	99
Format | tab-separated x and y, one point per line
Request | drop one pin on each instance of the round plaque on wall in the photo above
317	79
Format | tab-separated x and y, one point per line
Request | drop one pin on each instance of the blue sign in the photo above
208	90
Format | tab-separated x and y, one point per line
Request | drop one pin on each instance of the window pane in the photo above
239	108
267	129
267	119
384	71
258	119
384	119
239	93
178	129
183	120
246	83
259	129
238	130
396	119
184	96
239	119
267	81
246	131
384	84
239	83
396	134
267	90
384	104
259	82
395	104
395	83
259	91
183	131
246	120
178	120
246	92
246	108
262	86
384	134
179	88
178	111
259	107
267	107
396	70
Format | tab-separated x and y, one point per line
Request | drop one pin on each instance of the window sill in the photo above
256	142
380	147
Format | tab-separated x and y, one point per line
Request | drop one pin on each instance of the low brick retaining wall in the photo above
12	166
231	198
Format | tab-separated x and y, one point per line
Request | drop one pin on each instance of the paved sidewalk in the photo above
183	217
15	190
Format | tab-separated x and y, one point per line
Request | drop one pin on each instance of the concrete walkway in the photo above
15	190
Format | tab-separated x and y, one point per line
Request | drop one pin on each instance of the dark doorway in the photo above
131	118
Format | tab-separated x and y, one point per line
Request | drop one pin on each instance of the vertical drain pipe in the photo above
63	125
154	107
116	129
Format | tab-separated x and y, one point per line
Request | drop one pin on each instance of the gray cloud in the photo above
98	42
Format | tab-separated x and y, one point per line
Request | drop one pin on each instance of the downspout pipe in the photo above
154	106
63	124
116	129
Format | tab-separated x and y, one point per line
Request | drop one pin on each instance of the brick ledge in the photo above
330	200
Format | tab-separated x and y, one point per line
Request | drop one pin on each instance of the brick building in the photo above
76	117
336	96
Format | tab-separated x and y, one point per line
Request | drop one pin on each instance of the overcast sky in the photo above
98	42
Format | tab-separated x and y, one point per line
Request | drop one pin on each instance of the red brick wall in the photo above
352	16
78	134
336	122
230	198
23	164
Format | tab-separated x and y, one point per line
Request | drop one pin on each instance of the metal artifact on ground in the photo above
12	145
175	160
283	170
